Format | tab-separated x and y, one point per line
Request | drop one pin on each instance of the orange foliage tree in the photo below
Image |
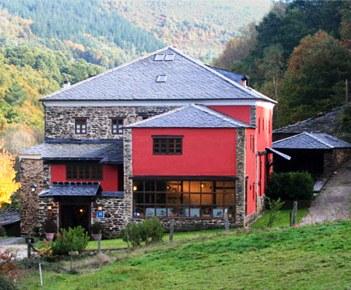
8	183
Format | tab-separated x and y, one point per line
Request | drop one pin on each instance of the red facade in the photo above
206	152
111	176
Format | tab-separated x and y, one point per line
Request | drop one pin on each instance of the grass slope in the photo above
311	257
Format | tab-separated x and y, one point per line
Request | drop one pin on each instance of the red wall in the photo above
109	180
250	171
240	113
205	152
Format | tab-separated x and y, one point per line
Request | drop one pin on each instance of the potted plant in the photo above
96	231
50	229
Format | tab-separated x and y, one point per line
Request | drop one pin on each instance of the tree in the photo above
8	184
315	76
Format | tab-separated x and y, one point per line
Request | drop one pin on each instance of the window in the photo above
167	145
81	126
161	78
183	198
117	126
252	143
84	171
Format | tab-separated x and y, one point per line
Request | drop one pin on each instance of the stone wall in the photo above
115	218
34	177
240	182
60	121
333	159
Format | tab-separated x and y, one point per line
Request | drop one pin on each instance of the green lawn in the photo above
283	218
310	257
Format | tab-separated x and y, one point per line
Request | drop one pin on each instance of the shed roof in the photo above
167	74
190	116
99	150
305	140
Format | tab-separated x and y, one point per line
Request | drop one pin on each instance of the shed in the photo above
318	153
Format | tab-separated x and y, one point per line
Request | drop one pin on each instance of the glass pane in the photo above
229	199
150	185
149	197
139	197
161	186
195	198
195	186
186	186
137	186
139	212
219	199
174	198
160	198
174	186
161	212
206	212
186	198
206	186
150	211
185	212
194	212
206	199
218	212
173	212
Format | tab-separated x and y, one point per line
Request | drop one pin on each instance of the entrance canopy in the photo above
72	190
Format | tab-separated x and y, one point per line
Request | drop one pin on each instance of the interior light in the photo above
135	188
81	210
99	207
49	207
202	185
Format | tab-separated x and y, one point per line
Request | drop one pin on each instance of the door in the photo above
74	213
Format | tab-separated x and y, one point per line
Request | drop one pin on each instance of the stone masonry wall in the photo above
33	175
240	182
60	121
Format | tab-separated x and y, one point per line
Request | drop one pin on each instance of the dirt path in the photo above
334	201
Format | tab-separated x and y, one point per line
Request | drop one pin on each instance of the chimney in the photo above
244	81
66	84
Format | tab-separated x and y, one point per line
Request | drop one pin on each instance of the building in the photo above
164	135
317	153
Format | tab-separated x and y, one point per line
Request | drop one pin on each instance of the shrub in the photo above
6	284
73	239
148	231
290	186
2	232
96	228
154	230
50	226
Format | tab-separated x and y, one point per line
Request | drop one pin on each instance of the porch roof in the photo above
104	151
72	190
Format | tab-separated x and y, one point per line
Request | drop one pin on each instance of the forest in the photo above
300	55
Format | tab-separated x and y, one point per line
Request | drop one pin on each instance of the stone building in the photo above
164	135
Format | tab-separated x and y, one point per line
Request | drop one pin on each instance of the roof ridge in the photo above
106	72
317	139
219	115
209	69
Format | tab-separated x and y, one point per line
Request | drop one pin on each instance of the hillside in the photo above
309	257
200	28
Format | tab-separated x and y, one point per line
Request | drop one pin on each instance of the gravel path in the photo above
16	246
334	201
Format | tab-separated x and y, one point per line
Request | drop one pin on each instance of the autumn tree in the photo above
315	77
8	184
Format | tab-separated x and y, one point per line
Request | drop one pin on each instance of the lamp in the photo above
49	207
99	207
135	188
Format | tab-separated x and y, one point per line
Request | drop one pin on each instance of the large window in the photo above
81	126
167	145
196	199
84	171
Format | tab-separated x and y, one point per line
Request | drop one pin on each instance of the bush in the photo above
73	239
6	284
148	231
50	227
290	186
274	208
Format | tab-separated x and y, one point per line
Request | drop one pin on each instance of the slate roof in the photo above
326	123
186	79
191	116
305	140
8	217
72	189
236	77
103	151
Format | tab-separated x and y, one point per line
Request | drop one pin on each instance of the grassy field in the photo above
310	257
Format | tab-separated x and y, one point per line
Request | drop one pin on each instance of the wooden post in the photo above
293	215
226	220
171	229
